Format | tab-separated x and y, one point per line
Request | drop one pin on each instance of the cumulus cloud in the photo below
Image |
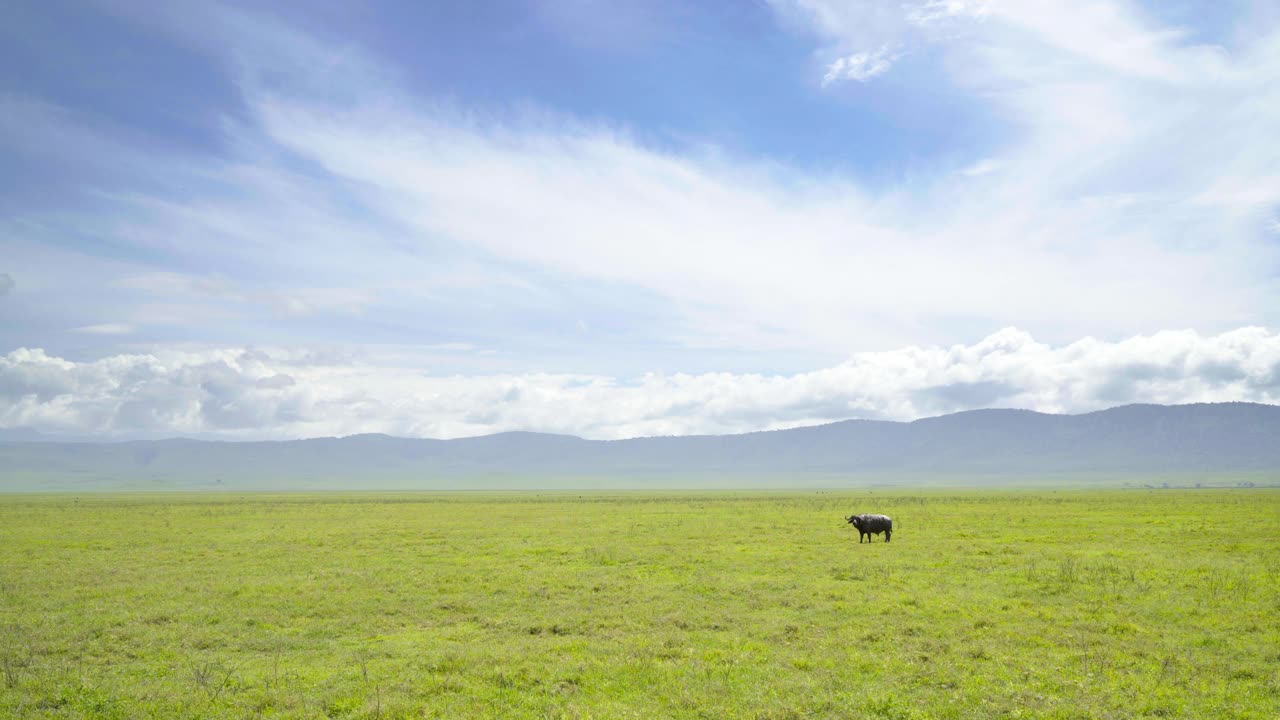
254	393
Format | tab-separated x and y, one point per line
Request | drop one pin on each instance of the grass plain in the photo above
987	604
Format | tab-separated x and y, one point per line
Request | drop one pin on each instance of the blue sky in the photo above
622	218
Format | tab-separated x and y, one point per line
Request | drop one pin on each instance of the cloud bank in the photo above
257	393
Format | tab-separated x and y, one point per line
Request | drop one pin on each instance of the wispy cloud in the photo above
105	329
173	283
985	166
6	283
173	286
859	66
935	11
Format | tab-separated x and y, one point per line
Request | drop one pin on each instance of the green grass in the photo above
1098	604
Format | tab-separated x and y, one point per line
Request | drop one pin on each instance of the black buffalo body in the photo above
869	525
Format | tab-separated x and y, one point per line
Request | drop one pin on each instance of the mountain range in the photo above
1217	443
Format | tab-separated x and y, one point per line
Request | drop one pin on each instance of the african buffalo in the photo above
869	525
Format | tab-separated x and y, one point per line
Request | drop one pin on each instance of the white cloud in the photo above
289	301
935	11
1242	193
173	283
859	66
1112	35
982	167
761	257
757	258
307	301
1134	192
277	393
105	329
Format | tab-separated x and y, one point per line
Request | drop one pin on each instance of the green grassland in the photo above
987	604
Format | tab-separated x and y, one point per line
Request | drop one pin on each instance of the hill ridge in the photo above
996	444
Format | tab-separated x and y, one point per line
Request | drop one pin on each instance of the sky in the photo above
616	218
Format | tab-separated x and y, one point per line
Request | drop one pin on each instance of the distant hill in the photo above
1209	441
